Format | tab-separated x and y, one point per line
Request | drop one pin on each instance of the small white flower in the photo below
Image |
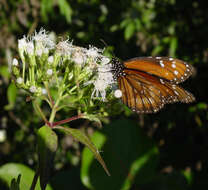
33	89
49	72
44	91
50	59
93	52
46	51
79	58
103	81
43	38
104	68
118	93
99	89
30	48
105	60
39	52
64	47
92	65
19	80
22	44
15	62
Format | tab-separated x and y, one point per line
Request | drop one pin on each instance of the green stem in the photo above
23	73
60	97
30	75
40	112
49	94
67	120
54	109
33	74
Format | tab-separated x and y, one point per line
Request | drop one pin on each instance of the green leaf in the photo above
173	46
157	50
11	96
4	71
138	24
47	146
46	7
12	170
133	157
114	28
93	117
65	9
202	106
81	137
15	183
129	30
188	174
124	23
99	139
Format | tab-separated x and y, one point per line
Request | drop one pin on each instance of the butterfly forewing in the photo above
173	70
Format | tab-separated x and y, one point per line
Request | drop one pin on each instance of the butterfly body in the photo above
148	83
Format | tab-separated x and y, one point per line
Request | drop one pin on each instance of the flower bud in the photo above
50	59
49	72
39	52
15	62
44	91
19	80
30	48
33	89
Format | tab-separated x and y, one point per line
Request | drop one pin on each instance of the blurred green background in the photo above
163	151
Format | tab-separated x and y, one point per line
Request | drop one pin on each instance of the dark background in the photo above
130	28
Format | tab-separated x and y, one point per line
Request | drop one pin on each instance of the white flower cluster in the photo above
91	61
103	80
37	44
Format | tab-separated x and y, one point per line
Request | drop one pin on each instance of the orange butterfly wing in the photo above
145	93
173	70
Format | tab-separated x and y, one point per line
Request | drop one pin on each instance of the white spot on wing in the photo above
176	92
173	65
176	72
118	93
161	63
162	81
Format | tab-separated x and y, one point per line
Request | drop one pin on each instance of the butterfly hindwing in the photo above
145	93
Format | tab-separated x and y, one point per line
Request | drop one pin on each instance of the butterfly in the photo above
148	83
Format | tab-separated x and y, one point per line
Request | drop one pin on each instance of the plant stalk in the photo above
66	120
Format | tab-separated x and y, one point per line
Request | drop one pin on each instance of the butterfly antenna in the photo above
106	45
